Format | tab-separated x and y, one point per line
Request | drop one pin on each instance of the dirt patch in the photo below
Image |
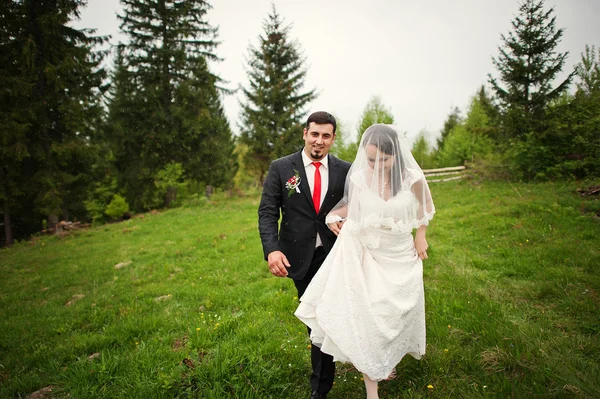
74	299
41	394
122	264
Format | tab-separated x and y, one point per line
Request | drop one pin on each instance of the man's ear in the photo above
304	132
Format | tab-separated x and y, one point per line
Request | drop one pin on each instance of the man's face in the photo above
318	139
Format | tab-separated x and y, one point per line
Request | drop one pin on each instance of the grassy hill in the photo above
180	304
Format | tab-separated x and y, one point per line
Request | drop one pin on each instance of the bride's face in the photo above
383	160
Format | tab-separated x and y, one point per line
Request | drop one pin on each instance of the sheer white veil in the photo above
383	172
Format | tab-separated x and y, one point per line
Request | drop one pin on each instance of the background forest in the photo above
83	141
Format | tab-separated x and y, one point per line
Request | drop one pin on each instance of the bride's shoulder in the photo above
358	178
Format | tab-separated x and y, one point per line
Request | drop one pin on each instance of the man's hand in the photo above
278	264
336	227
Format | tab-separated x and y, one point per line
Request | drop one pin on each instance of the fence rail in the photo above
456	173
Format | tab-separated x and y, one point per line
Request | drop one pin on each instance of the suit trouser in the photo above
323	365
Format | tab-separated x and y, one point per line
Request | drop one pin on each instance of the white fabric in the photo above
332	218
387	168
309	168
366	303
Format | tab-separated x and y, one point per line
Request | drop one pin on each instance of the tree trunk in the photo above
7	225
65	212
170	196
52	220
209	191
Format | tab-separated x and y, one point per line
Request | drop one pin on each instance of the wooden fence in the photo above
454	173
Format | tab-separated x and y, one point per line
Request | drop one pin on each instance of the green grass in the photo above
512	296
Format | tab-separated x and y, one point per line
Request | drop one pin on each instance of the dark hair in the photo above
385	138
321	118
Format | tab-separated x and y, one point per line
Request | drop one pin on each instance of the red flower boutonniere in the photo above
293	183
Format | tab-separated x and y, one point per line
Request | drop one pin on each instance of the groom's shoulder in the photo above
286	160
344	164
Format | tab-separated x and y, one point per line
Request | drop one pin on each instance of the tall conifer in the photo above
528	64
162	76
51	97
274	106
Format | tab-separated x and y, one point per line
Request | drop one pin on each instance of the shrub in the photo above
117	207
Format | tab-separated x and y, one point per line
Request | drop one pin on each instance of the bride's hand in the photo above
421	244
336	227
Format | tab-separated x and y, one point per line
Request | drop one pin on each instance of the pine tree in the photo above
421	151
375	112
451	122
588	72
13	121
166	105
52	77
528	64
274	106
571	141
469	139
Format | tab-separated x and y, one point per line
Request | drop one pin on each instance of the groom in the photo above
303	186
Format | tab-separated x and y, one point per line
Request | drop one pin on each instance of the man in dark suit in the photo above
303	187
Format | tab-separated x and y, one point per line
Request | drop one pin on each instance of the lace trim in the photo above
370	237
332	218
400	225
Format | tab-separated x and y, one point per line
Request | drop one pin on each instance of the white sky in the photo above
420	57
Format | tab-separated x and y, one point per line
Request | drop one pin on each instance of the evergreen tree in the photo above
274	106
13	121
52	99
469	139
166	105
492	111
528	64
569	146
588	72
375	112
453	120
422	151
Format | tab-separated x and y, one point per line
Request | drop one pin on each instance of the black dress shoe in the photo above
318	395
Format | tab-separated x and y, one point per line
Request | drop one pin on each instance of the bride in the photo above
365	305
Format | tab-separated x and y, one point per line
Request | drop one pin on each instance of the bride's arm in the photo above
421	242
423	195
336	218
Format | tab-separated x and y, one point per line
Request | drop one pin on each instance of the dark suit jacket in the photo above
297	233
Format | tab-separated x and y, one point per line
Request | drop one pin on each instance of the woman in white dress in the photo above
366	304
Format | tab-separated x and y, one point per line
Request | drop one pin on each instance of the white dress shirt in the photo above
309	168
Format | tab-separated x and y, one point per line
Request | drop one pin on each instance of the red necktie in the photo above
317	188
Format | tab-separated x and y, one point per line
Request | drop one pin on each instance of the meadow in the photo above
180	304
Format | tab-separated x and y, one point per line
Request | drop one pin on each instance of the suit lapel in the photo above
304	187
333	177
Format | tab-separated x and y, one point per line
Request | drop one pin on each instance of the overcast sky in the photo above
420	57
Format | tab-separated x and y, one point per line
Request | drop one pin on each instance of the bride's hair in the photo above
385	138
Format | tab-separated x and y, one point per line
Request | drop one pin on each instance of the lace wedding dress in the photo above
366	306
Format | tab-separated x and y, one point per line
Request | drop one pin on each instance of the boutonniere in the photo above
293	183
